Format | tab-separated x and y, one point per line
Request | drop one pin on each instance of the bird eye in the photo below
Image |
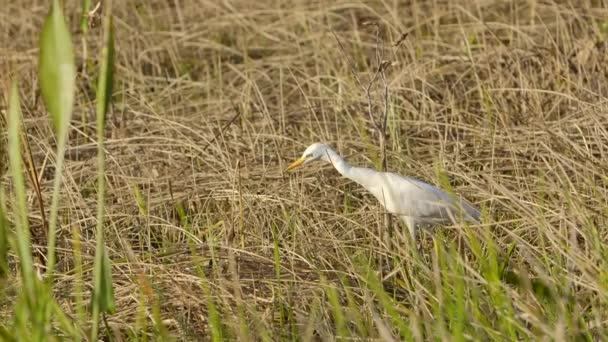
308	155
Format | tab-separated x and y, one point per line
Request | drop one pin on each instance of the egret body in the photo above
417	203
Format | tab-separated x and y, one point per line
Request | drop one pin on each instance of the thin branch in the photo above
384	66
220	132
370	111
353	69
401	39
41	236
379	124
365	89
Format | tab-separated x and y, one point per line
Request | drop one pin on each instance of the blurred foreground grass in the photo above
205	236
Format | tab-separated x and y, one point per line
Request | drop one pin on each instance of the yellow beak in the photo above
296	164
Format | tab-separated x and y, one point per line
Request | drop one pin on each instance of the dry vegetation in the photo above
505	100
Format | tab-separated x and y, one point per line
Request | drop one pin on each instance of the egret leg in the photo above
410	222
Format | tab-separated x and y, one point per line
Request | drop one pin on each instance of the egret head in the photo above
316	151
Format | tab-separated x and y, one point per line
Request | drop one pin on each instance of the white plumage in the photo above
417	203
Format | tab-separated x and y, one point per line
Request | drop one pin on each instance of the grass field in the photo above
210	239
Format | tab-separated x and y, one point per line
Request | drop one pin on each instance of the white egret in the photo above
417	203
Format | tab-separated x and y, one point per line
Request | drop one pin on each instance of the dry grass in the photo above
507	99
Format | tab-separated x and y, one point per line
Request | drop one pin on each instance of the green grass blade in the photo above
64	322
334	302
384	299
24	249
103	294
213	315
57	84
3	237
57	70
80	308
106	299
106	75
84	17
5	335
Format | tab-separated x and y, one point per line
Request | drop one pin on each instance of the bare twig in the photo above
38	236
401	39
232	120
379	124
353	69
220	132
41	236
381	128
